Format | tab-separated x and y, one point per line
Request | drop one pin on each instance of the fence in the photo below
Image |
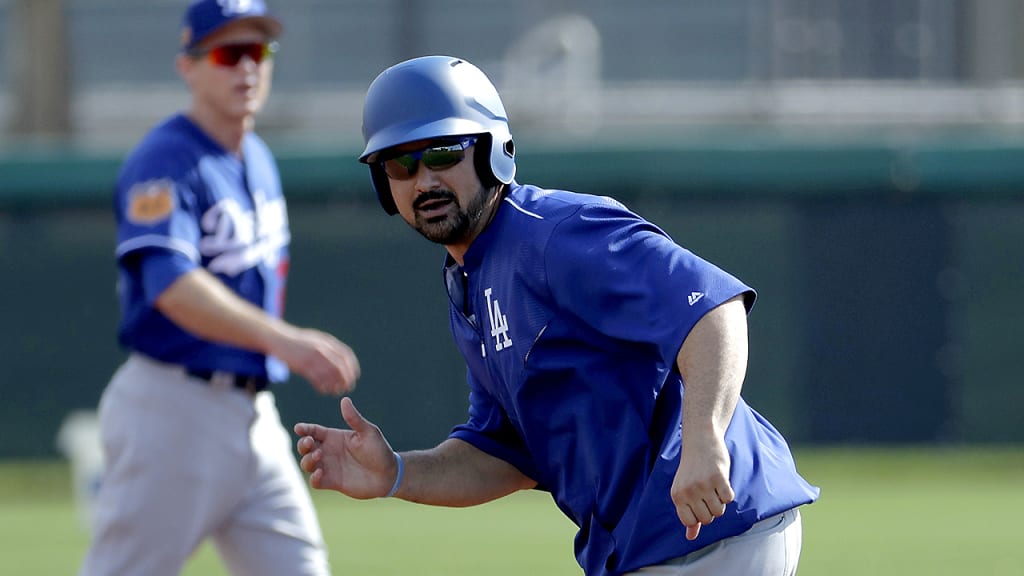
887	271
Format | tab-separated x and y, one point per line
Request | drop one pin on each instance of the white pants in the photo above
187	460
770	548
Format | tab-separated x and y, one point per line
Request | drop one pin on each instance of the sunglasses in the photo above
229	55
435	158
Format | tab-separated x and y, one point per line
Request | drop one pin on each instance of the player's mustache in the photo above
431	196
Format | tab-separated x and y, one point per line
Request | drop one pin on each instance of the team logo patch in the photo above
150	202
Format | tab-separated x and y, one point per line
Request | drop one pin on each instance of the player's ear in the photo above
184	65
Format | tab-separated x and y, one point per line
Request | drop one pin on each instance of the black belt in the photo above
245	382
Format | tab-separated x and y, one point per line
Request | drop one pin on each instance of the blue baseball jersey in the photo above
570	311
182	202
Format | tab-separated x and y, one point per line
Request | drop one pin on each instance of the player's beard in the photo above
458	223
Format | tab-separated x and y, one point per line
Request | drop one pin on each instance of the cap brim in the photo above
272	26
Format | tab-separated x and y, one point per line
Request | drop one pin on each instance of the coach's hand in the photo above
357	462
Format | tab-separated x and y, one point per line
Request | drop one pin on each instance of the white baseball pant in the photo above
770	548
187	460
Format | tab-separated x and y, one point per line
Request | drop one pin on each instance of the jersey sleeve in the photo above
159	269
489	430
626	278
155	207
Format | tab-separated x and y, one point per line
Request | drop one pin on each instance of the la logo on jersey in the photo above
694	297
499	323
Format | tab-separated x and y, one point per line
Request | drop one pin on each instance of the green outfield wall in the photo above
888	273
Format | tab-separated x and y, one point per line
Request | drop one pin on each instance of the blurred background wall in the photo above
859	162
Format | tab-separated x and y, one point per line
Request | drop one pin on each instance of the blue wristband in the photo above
398	477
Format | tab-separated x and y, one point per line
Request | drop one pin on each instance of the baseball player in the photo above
604	361
193	443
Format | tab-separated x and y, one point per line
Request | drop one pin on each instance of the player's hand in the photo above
357	462
327	363
701	489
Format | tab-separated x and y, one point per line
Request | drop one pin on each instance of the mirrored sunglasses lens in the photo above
443	157
401	168
436	158
231	54
226	55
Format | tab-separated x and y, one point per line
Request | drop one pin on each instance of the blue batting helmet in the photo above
435	97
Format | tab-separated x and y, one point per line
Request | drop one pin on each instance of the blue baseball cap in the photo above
204	17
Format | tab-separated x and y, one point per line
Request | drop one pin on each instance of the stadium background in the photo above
860	163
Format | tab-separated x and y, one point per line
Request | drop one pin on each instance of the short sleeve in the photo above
627	279
156	208
490	430
159	269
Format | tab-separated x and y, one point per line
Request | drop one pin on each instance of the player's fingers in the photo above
335	384
686	515
725	493
702	511
351	363
348	375
717	508
340	379
345	366
692	532
352	416
325	383
350	372
315	478
305	445
310	461
315	431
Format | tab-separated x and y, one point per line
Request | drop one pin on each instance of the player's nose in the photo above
426	179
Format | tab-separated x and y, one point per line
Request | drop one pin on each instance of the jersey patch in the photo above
150	202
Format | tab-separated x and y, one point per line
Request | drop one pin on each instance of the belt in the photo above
251	384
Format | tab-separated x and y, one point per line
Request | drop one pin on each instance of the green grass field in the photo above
882	512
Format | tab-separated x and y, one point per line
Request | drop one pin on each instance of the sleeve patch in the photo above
150	202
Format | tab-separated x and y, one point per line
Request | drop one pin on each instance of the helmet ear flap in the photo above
383	189
482	160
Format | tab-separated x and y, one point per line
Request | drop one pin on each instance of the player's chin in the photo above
444	228
245	107
254	105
